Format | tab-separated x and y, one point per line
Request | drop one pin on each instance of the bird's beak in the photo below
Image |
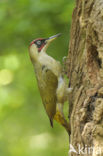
50	39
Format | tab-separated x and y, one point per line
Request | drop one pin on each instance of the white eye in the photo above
38	42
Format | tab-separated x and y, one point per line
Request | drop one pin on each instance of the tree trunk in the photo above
85	72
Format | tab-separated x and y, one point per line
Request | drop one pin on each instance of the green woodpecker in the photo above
52	86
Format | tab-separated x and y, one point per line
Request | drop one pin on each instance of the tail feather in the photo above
51	123
60	119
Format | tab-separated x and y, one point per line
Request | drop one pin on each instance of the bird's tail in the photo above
51	122
59	117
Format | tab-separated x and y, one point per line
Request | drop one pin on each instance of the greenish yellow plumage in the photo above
47	83
52	86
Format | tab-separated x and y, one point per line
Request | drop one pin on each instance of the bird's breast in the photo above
51	64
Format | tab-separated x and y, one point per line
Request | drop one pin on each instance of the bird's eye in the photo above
38	42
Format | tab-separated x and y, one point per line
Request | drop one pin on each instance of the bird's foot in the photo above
64	59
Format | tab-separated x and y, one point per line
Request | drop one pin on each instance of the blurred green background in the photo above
24	126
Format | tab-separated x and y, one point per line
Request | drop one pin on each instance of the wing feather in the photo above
48	91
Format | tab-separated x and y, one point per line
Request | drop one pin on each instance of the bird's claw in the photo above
64	59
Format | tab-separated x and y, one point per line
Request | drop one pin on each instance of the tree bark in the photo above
85	72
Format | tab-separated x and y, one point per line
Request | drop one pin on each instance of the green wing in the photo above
47	87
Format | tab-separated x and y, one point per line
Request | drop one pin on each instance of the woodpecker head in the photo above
39	46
